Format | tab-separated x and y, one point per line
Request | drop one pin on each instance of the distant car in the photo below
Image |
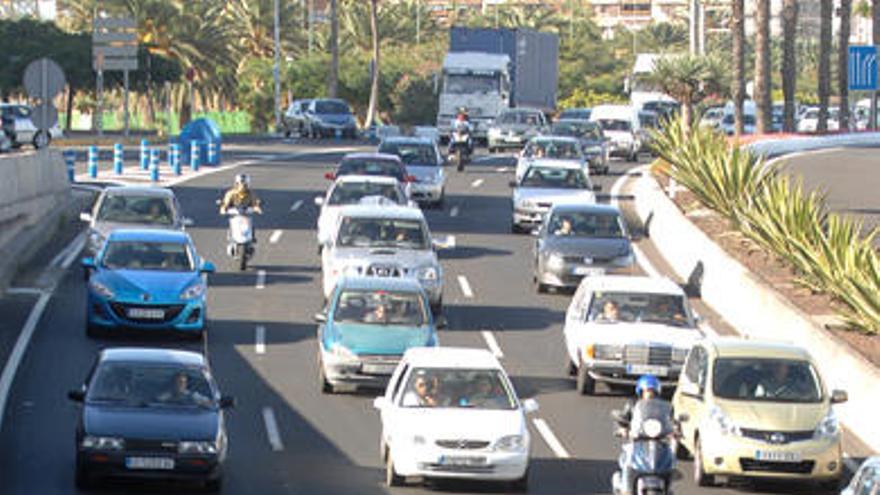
575	114
650	121
326	117
376	164
147	280
131	206
663	108
618	328
758	409
355	189
295	118
17	120
514	127
594	145
424	163
809	122
576	241
551	149
712	117
368	324
622	126
150	413
453	413
866	481
543	185
728	124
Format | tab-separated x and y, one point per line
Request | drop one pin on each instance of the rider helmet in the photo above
242	180
648	382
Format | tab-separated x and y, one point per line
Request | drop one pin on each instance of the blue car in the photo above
146	280
368	325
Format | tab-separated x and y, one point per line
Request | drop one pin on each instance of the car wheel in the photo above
515	229
700	476
585	384
83	479
570	368
41	140
681	452
391	476
520	485
214	485
326	386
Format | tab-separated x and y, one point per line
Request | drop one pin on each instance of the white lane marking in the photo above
272	429
477	183
550	438
492	343
453	212
260	337
641	259
502	170
465	286
18	351
276	236
450	242
25	291
295	206
644	262
76	247
261	279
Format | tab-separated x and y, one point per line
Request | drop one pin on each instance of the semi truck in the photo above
490	70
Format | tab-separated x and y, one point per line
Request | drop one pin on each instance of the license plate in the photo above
378	369
588	271
146	314
460	460
769	455
646	369
160	463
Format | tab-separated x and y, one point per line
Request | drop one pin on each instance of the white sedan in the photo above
353	189
452	413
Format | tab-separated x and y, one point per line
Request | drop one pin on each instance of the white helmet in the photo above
243	179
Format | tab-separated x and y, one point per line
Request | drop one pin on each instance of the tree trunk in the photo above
824	89
687	115
374	86
69	107
737	26
333	81
763	101
843	63
789	62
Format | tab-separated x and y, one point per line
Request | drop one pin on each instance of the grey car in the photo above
578	241
594	144
424	164
514	127
127	207
295	118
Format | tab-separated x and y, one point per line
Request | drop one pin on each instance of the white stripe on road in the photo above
453	212
465	286
295	206
260	345
477	183
450	242
276	236
272	429
551	440
502	170
641	259
24	291
261	279
492	343
75	248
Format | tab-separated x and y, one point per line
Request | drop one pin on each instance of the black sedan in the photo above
150	413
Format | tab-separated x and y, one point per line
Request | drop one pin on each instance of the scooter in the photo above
240	235
460	146
648	453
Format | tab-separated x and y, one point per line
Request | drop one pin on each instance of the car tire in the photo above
326	386
570	368
515	229
93	331
681	452
214	486
83	480
585	384
701	478
41	140
520	485
391	476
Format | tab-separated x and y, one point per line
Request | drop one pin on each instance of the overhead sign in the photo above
114	44
862	68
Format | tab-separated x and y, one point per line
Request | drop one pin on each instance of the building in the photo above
45	10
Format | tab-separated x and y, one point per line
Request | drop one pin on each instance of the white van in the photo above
622	127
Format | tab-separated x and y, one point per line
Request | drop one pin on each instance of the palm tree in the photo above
689	79
763	103
333	77
789	62
843	62
374	85
824	89
737	26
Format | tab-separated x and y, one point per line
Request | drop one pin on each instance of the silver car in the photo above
545	184
424	164
514	127
17	121
383	241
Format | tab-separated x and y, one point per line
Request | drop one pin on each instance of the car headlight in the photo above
723	423
427	273
101	289
510	443
102	443
343	352
625	260
608	351
829	427
555	261
652	428
197	447
193	291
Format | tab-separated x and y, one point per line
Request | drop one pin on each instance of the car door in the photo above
690	395
575	317
393	393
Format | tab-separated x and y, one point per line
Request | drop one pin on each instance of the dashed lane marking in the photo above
477	183
465	287
261	279
453	212
260	339
272	429
550	438
295	206
492	344
276	236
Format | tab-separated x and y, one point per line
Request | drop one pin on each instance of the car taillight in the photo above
411	178
330	176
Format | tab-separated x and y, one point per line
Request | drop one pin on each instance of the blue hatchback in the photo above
148	280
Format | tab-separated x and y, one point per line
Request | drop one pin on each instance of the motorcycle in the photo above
240	235
648	454
460	146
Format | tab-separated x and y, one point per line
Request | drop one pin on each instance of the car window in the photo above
366	166
331	107
770	380
346	193
399	383
615	125
411	154
556	149
586	224
380	308
140	255
692	366
382	232
615	307
556	178
457	388
125	208
151	385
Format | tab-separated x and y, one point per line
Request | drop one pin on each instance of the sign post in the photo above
44	80
114	48
863	75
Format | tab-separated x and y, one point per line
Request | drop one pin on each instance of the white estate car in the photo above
549	150
453	413
618	328
353	189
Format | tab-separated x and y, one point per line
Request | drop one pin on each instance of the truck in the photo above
490	70
640	90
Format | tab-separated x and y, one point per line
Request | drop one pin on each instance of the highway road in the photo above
286	437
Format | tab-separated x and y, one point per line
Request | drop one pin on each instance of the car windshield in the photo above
770	380
747	119
380	308
575	114
529	118
458	388
615	125
382	232
555	178
458	84
644	307
365	166
411	154
346	193
147	210
143	255
583	130
150	385
585	224
331	107
556	149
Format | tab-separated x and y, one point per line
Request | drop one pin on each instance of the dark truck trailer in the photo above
534	60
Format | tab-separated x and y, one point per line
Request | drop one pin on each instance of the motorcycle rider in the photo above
240	195
462	120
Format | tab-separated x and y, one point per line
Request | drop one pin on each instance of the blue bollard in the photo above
174	158
213	158
154	165
118	158
338	135
145	154
194	155
93	162
70	162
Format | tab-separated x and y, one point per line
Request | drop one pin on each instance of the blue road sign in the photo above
862	68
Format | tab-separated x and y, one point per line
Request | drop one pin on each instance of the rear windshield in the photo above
380	308
556	178
383	232
411	154
331	107
586	224
148	210
371	166
528	118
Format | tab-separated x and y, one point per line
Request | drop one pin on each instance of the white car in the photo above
453	413
549	150
809	122
17	118
622	126
618	328
354	189
545	184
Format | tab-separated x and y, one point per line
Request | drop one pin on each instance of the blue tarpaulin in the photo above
203	131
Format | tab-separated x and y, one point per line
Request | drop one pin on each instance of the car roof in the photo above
139	191
568	163
377	179
152	355
574	120
389	211
340	100
372	156
401	284
627	283
756	348
567	139
584	207
521	110
451	357
149	235
409	140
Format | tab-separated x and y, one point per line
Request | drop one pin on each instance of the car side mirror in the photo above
187	222
208	267
839	396
320	317
76	395
380	403
530	406
227	402
319	201
330	176
85	216
512	183
88	263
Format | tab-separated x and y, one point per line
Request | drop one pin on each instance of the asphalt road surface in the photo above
326	444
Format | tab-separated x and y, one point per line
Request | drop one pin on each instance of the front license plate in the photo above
146	314
378	369
588	271
461	460
765	455
647	369
159	463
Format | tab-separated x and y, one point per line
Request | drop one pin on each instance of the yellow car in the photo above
757	410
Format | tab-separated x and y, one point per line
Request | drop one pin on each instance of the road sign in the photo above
109	51
44	116
114	48
862	68
43	79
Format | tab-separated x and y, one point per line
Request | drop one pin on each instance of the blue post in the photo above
154	165
93	162
118	158
194	155
213	159
338	135
145	154
174	157
70	162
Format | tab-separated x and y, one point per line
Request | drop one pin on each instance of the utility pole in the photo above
311	26
276	69
418	22
693	23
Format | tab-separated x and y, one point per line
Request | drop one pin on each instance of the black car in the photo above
593	142
150	413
